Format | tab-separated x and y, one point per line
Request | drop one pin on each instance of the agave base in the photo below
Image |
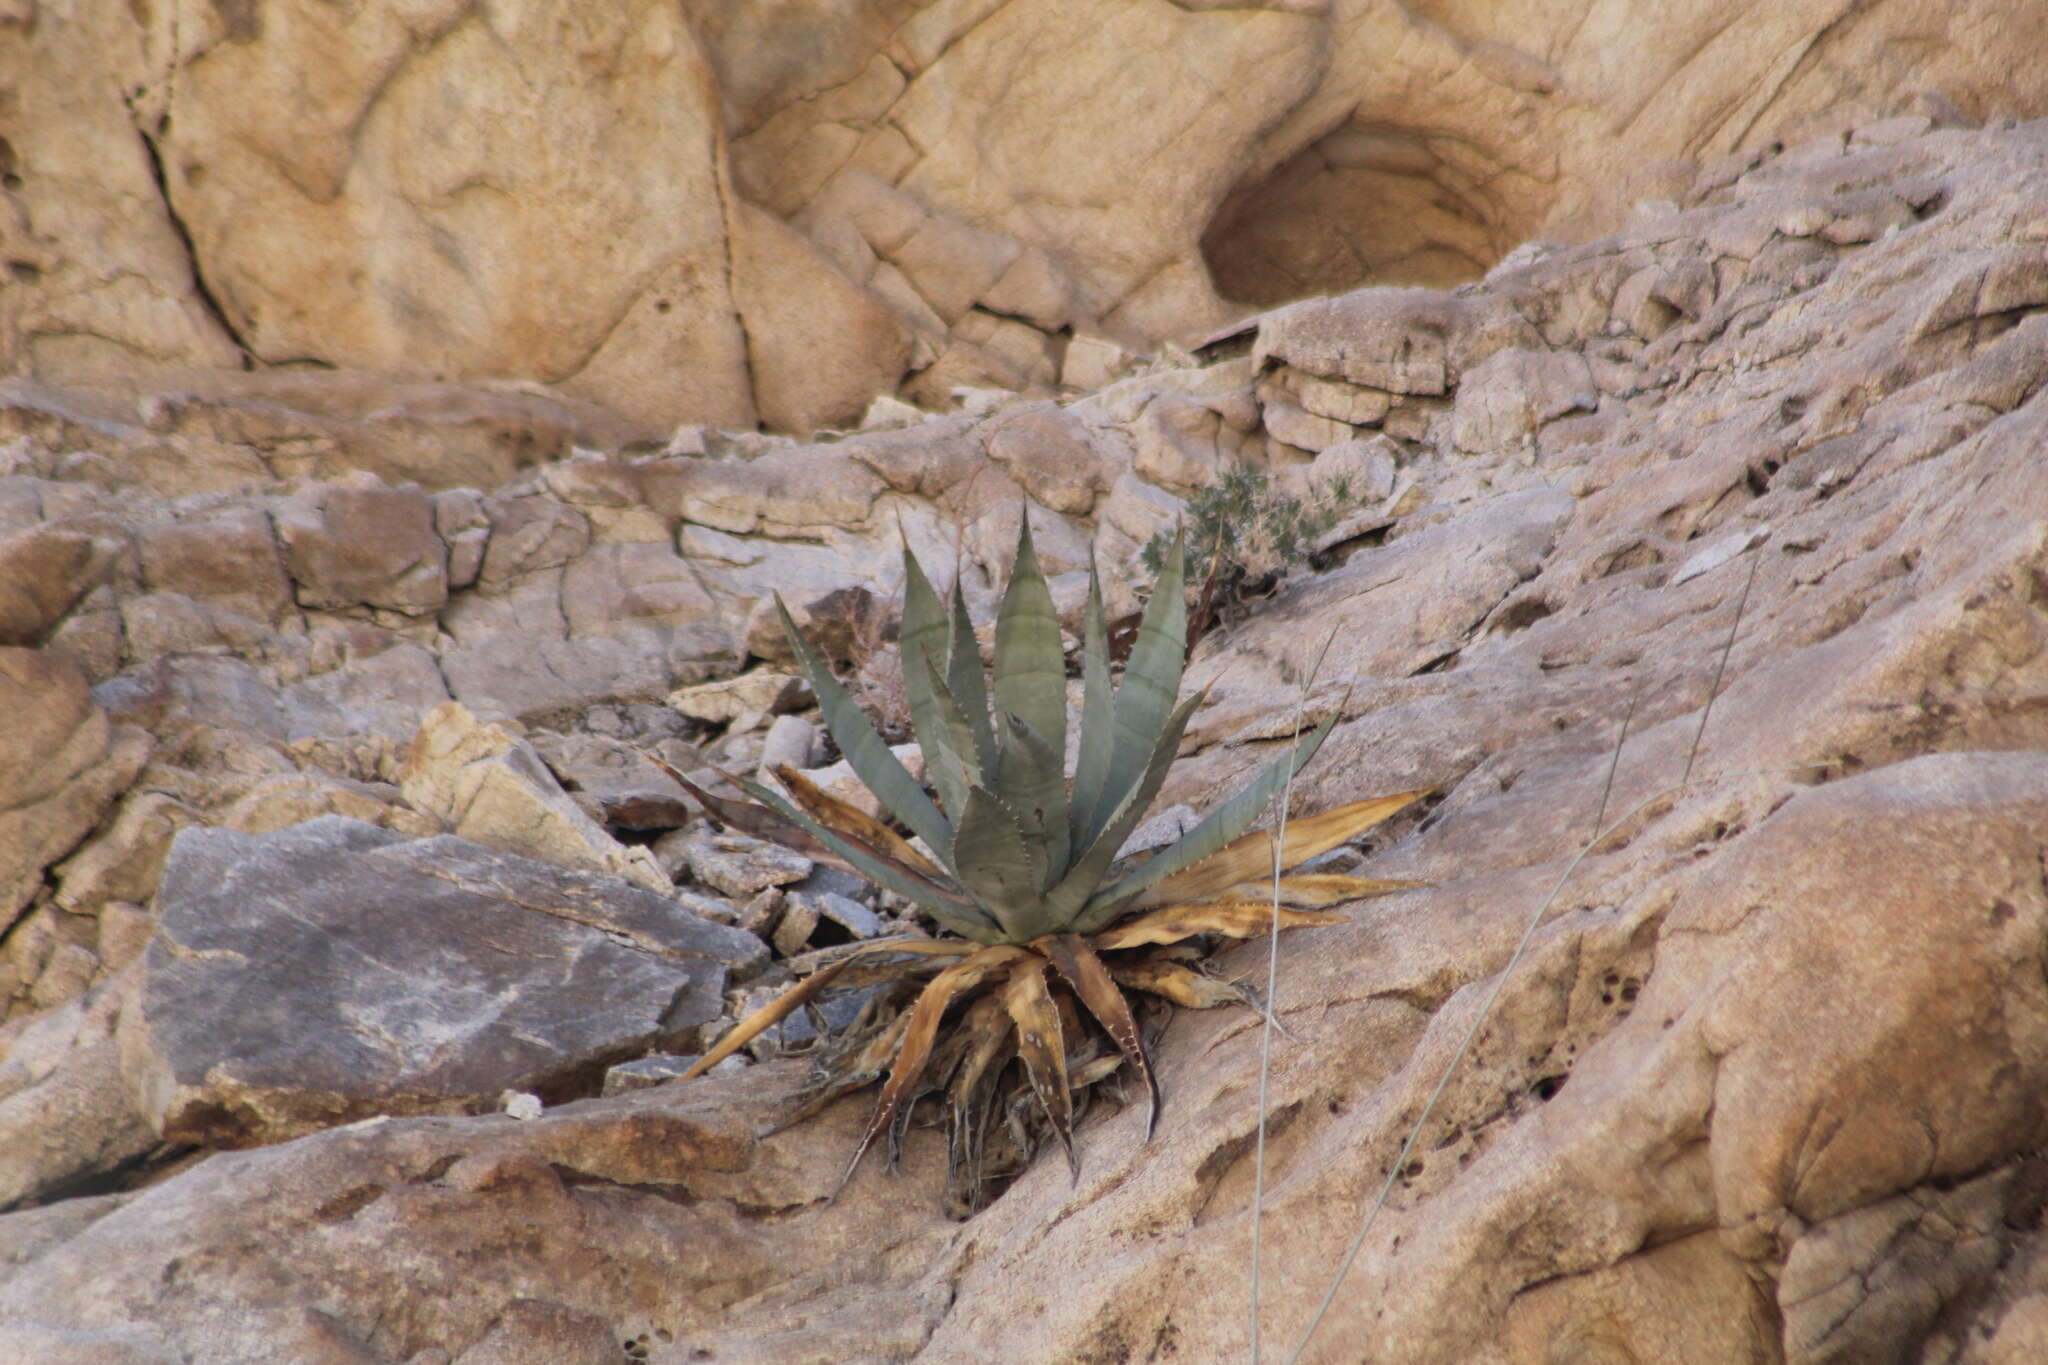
1013	1038
1022	865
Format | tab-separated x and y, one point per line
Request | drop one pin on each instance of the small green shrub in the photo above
1244	535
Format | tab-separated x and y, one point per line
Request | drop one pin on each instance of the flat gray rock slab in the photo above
333	971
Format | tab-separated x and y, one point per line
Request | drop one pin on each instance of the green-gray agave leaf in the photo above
944	735
964	680
1032	783
1066	900
1031	664
1146	697
956	913
922	649
1226	822
999	865
870	758
1091	768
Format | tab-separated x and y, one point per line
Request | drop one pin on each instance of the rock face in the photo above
724	214
1712	549
335	970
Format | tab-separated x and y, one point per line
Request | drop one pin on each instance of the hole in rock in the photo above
1369	203
1523	614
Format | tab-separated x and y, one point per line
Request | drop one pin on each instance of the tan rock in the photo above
614	588
123	862
752	697
44	572
61	768
1366	469
788	743
100	282
279	802
1302	429
230	558
1050	456
738	866
1093	362
1506	397
487	785
819	346
1181	444
365	547
554	115
1061	544
402	428
66	1112
528	535
1764	1085
795	492
1405	341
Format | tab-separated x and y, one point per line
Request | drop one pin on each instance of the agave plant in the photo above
1043	922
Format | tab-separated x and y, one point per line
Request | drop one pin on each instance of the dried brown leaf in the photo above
1083	970
1234	919
918	1034
852	822
1250	856
1042	1046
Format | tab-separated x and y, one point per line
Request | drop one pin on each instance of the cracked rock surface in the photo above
722	213
1723	536
334	970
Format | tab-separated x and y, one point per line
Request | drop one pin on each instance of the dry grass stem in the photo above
1270	1006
